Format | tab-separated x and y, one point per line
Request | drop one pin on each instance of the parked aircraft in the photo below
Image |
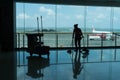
105	35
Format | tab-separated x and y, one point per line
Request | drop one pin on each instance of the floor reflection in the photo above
35	66
77	65
96	64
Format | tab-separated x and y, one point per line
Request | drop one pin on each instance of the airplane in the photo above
105	35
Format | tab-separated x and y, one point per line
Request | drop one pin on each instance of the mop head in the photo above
85	52
69	51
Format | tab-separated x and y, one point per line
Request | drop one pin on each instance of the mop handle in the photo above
42	28
38	24
41	24
72	43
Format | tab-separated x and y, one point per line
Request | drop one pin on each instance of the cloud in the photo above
47	11
67	17
23	16
101	16
79	16
63	16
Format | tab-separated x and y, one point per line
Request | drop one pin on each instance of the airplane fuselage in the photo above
106	35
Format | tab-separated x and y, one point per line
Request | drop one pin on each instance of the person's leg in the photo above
76	43
79	44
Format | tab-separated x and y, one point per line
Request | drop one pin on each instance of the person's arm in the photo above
82	34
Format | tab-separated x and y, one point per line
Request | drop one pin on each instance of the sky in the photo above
66	16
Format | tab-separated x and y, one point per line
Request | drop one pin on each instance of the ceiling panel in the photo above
76	2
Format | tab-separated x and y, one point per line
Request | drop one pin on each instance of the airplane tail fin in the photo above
93	29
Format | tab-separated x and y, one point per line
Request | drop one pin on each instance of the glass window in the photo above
99	24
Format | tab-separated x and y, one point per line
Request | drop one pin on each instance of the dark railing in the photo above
63	40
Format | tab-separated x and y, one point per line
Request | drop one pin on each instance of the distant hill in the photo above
62	29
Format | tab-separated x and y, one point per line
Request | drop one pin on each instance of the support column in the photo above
7	54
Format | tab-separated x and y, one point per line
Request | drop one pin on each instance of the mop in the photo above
85	51
70	50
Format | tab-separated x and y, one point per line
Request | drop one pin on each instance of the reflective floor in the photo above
95	64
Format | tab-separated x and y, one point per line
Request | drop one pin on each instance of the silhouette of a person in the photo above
77	36
77	65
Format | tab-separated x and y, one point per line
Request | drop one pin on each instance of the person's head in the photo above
75	25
